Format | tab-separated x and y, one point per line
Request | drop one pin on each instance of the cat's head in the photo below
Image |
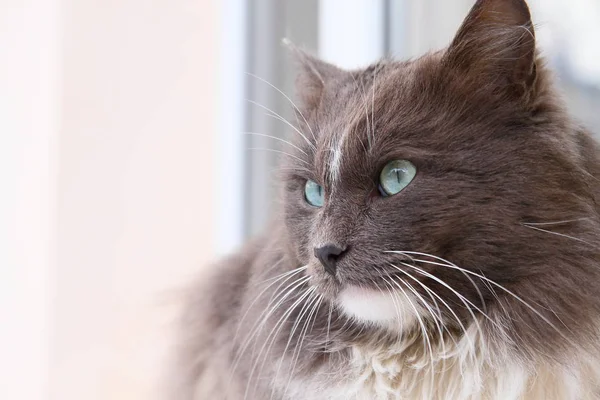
453	184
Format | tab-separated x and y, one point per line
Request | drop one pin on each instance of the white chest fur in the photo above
378	374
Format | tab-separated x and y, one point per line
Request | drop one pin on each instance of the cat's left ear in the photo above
313	77
495	46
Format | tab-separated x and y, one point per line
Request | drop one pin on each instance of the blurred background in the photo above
126	165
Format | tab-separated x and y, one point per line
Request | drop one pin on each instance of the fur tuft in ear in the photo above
313	76
496	43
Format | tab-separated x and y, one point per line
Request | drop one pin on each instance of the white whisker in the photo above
408	254
567	221
288	99
436	319
365	106
315	307
426	339
558	234
291	272
450	309
285	277
468	304
373	105
273	335
262	319
525	303
303	310
280	152
285	121
278	139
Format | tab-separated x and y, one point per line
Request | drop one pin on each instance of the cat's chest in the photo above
389	375
370	374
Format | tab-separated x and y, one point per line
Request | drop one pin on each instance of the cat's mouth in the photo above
387	308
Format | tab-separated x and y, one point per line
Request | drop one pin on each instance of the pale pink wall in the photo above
135	186
29	89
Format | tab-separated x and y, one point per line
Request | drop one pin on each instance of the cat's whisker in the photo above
467	303
471	344
328	326
278	139
566	221
280	152
265	315
558	234
285	121
291	272
269	270
295	169
426	341
360	331
281	296
437	321
365	106
327	348
276	294
409	253
494	283
345	328
390	290
450	309
373	105
288	99
281	277
437	317
274	332
303	310
314	320
315	308
424	330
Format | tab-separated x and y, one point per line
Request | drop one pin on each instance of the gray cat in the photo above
438	238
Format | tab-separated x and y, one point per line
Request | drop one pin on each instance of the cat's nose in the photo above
329	256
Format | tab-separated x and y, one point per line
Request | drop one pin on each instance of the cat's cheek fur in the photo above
387	309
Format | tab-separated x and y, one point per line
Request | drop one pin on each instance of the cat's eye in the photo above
314	193
395	176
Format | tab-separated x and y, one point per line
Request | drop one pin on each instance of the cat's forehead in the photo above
365	117
395	108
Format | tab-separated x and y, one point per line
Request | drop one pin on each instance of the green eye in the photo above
314	193
396	175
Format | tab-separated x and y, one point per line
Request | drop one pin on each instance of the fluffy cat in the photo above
438	238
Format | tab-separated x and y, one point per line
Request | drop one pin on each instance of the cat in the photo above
438	238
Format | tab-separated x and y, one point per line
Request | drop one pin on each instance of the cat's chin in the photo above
393	311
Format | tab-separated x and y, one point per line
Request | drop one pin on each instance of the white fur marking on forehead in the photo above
336	158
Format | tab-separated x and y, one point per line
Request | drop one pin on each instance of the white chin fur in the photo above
378	307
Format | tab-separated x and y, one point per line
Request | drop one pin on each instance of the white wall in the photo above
107	127
29	89
135	186
351	34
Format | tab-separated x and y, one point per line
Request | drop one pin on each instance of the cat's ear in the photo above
496	47
312	76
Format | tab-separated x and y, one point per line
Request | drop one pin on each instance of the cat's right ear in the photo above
313	76
495	46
